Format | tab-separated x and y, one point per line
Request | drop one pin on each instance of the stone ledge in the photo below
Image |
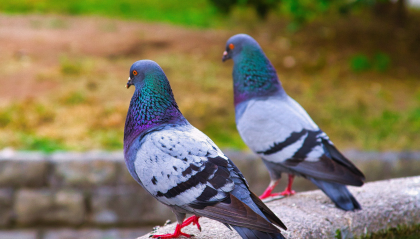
95	189
69	233
386	204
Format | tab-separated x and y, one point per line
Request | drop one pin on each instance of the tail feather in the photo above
339	194
247	233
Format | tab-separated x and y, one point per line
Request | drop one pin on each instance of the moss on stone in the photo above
401	232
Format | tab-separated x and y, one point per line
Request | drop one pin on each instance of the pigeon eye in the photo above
231	46
135	72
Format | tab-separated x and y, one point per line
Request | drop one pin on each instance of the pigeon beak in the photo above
225	56
129	83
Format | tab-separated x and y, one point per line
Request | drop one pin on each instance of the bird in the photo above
279	130
182	167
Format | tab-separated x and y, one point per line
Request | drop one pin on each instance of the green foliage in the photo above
300	10
337	234
361	62
381	62
197	13
262	7
225	136
224	6
110	140
5	118
74	98
70	67
45	144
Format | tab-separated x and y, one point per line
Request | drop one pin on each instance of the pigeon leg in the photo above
267	193
177	233
288	191
194	220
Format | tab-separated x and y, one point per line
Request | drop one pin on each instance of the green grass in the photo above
196	13
364	95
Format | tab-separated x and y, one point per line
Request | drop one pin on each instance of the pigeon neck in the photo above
254	76
150	108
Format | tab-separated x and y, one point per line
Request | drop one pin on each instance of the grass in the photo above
363	94
196	13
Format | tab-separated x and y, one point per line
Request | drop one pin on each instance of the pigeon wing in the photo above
281	132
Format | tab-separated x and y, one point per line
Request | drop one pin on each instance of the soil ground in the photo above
62	78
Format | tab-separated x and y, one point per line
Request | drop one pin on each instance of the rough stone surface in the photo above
95	188
386	204
21	234
6	207
128	206
83	169
34	207
23	170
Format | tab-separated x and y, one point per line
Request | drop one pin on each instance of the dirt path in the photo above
31	46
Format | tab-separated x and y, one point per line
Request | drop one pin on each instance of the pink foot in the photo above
194	220
267	194
284	193
287	192
177	233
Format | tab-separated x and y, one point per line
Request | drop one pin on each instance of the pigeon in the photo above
280	131
181	167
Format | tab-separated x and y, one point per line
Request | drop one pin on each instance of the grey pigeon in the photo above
181	167
280	131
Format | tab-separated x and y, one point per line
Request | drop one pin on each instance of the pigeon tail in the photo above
247	233
339	194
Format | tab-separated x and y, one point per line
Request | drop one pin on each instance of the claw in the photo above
167	222
177	233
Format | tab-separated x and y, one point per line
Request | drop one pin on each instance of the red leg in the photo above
267	193
288	191
194	220
177	233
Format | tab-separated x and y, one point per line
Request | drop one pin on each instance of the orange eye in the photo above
135	72
231	46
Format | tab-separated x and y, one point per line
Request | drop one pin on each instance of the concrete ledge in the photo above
386	204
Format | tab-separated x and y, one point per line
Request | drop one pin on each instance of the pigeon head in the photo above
153	102
145	70
237	44
253	74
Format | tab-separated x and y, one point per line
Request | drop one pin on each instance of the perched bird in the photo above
181	167
280	131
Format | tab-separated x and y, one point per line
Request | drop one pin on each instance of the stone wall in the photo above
81	193
73	189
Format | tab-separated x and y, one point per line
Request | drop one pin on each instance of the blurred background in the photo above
353	65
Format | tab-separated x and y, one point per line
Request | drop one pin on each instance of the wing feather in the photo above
180	166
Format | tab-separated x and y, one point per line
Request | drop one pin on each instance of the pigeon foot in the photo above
287	192
194	220
177	233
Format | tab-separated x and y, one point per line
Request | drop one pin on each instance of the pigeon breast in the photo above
177	164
